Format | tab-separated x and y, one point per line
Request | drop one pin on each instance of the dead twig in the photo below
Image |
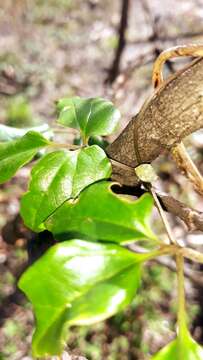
193	219
114	70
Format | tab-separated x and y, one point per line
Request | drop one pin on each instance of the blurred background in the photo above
56	48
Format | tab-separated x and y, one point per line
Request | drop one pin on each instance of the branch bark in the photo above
173	112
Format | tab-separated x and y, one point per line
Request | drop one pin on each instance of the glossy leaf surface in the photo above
59	176
178	349
14	154
93	116
76	283
99	213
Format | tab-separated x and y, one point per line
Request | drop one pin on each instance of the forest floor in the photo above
59	48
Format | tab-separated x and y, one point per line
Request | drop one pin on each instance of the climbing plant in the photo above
91	273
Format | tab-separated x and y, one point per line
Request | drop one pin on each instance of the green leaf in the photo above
59	176
8	133
14	154
93	116
78	283
99	213
185	348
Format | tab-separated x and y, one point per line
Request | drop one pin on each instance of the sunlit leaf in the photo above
14	154
181	349
59	176
77	283
99	213
93	116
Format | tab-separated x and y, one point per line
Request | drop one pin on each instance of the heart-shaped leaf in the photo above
181	349
59	176
14	154
8	133
93	116
77	283
99	213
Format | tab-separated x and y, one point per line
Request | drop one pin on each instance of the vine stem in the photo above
173	250
182	326
185	163
163	250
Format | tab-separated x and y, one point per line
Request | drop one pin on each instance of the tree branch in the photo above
172	113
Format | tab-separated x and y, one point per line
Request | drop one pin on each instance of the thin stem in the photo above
192	254
185	163
174	52
85	140
163	216
174	249
182	326
163	250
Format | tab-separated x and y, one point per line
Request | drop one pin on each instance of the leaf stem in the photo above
174	250
85	140
162	214
163	250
